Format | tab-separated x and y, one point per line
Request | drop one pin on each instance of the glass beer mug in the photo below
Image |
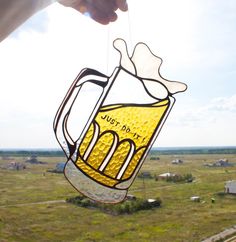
120	128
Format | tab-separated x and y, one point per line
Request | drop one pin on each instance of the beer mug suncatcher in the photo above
120	128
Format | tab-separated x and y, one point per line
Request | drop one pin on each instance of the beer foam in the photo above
146	65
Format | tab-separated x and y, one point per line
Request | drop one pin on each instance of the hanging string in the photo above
108	49
130	32
109	41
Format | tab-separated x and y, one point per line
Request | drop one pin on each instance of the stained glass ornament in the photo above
117	120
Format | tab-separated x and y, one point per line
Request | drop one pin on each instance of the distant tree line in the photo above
154	152
50	153
191	151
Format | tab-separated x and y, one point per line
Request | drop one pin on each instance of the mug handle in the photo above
60	121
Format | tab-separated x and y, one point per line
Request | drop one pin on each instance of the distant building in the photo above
15	166
60	167
230	187
195	199
220	163
164	176
34	160
177	161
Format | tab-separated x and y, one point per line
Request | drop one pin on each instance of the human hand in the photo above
102	11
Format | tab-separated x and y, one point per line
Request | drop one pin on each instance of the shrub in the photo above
86	202
145	174
125	207
180	178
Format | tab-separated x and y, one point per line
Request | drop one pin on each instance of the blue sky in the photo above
195	38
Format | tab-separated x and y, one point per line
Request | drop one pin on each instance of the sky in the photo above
195	38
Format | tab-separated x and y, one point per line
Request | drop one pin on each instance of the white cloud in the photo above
223	104
217	109
192	125
196	40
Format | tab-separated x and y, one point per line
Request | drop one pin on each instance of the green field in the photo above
25	217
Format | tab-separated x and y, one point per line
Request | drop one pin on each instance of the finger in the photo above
103	6
103	18
113	17
102	11
78	5
122	5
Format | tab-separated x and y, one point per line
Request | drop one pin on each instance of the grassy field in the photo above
24	217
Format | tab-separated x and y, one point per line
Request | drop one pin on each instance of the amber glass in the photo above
117	139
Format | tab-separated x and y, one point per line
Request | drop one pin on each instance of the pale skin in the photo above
13	13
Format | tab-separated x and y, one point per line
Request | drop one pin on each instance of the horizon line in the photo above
154	147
